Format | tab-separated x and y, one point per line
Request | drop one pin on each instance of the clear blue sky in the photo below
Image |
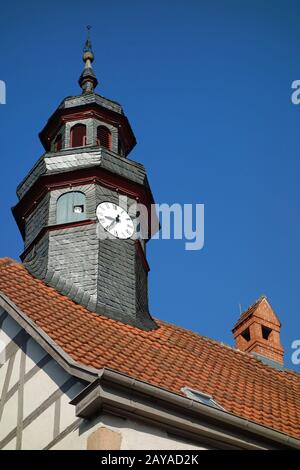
206	86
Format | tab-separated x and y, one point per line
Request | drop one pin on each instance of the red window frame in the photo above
78	135
104	137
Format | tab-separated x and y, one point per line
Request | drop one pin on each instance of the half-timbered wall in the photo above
34	392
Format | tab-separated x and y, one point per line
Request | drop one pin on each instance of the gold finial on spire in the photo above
88	80
88	55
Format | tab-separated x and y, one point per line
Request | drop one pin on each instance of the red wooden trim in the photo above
61	116
58	143
73	135
103	132
51	228
142	255
76	178
29	206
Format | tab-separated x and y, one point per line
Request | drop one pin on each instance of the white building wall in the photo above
135	435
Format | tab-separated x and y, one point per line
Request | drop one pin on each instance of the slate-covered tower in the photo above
87	141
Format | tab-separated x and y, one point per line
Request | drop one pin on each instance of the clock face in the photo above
115	220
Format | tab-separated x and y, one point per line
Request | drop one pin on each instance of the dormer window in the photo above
71	207
78	135
104	137
201	397
58	143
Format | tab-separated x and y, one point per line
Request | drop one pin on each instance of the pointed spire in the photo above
88	80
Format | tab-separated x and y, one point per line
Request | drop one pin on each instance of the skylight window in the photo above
201	397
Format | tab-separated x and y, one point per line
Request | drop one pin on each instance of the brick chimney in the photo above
258	331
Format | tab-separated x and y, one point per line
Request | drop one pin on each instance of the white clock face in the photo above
115	220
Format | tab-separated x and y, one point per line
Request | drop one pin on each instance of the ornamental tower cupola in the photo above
78	237
257	331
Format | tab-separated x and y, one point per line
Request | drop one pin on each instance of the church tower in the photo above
71	198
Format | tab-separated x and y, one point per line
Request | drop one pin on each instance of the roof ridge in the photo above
249	310
232	348
6	261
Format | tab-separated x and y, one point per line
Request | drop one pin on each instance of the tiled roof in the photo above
169	357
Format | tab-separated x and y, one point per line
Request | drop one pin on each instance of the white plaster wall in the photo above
136	435
40	387
71	442
9	417
34	354
40	432
16	369
3	372
68	412
11	445
9	329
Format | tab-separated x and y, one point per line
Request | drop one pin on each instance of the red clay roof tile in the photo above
170	357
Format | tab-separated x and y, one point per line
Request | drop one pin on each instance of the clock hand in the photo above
114	222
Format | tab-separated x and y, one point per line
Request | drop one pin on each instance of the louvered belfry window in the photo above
71	207
78	135
104	137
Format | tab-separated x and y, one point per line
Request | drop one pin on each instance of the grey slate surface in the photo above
105	276
68	160
80	100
